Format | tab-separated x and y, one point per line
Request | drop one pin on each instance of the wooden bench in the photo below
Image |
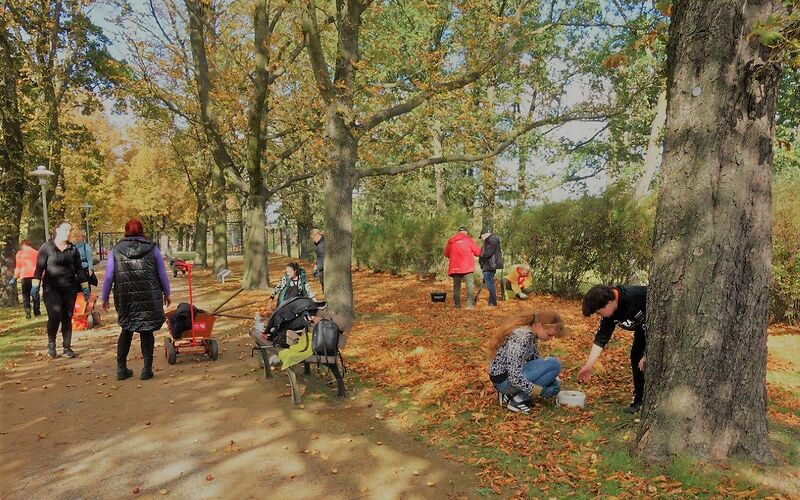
269	359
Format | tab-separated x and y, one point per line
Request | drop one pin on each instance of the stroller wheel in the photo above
169	350
213	349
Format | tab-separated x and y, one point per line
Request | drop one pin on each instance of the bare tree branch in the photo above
436	160
468	77
316	55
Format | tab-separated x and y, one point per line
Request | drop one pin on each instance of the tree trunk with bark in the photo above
12	171
219	225
339	185
653	157
705	391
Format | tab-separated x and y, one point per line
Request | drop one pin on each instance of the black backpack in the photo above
325	338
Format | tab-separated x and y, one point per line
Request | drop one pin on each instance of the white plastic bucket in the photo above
571	398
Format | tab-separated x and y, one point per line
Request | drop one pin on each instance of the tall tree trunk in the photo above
653	157
339	185
201	238
305	222
705	391
12	173
219	225
523	155
254	249
438	150
488	193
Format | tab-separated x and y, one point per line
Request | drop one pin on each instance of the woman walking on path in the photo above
136	271
59	271
24	268
85	252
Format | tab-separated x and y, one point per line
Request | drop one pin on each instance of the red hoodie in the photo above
461	251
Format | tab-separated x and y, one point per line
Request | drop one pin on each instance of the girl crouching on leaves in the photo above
516	370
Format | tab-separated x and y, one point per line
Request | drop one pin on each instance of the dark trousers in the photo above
488	280
147	341
321	278
26	297
60	305
637	352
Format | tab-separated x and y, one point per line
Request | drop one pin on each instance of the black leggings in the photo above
637	352
26	296
147	342
60	304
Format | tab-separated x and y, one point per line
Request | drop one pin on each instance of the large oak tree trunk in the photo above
12	173
254	250
705	391
338	191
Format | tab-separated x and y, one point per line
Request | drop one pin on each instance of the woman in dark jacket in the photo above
137	273
64	277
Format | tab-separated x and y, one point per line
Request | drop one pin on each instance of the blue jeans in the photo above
542	372
488	280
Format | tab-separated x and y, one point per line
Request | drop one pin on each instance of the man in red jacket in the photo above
461	251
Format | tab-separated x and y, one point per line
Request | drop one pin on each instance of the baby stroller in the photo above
288	326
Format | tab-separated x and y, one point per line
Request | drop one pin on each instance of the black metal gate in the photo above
106	241
235	237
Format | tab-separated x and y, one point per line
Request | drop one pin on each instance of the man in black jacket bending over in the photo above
622	306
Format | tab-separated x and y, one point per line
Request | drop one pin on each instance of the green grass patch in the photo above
16	332
787	442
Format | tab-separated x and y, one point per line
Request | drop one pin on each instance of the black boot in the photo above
148	344
27	313
68	352
51	349
123	371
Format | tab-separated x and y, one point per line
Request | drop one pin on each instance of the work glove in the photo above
522	295
12	282
536	391
86	292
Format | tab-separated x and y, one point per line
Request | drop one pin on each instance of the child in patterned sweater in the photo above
516	370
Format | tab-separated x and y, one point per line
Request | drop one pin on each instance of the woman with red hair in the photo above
136	271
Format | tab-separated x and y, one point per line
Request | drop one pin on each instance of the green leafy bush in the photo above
398	242
594	238
785	293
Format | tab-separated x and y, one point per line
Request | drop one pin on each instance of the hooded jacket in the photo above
631	314
461	251
137	285
491	258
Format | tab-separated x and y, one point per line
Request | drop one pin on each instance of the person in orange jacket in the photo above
24	267
461	251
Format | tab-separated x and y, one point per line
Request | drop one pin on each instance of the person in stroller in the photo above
293	284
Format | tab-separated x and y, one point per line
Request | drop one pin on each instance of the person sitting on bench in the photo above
519	281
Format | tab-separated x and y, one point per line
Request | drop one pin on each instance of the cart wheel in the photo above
90	321
169	350
96	318
213	349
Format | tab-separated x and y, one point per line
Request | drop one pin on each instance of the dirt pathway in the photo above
200	429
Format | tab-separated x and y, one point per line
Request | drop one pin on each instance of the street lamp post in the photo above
43	175
86	207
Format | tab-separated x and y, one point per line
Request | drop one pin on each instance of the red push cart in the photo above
201	341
